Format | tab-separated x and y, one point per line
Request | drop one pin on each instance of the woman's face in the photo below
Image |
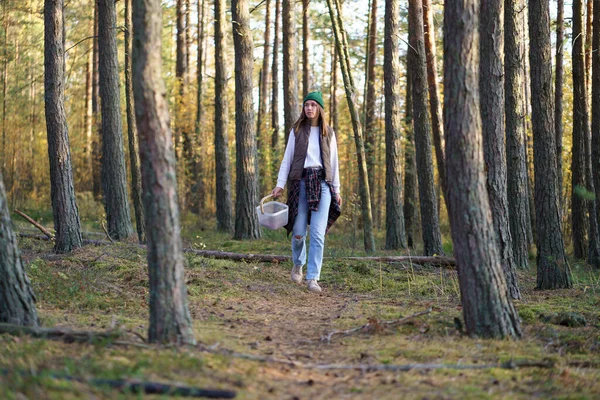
311	109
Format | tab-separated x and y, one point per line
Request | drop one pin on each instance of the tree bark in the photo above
170	320
306	84
410	165
223	178
432	238
290	66
370	123
261	130
198	201
588	49
487	308
246	220
558	94
434	95
595	145
132	134
114	175
333	108
275	88
64	208
395	238
580	125
17	301
351	96
97	118
491	88
516	143
552	267
88	119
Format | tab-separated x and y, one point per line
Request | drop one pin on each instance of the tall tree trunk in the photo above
410	164
181	65
188	42
114	175
588	49
595	150
170	320
17	301
198	204
432	238
558	94
4	84
434	96
581	131
395	237
370	123
487	308
132	134
580	125
290	66
516	142
223	177
262	131
275	81
306	84
97	117
333	108
246	221
88	119
62	192
491	88
351	96
552	267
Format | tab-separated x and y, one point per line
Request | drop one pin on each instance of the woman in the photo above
310	167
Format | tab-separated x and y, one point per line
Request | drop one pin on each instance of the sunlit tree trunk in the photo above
430	224
17	301
487	308
246	221
333	101
64	208
351	96
275	81
290	66
516	143
132	134
552	267
223	178
261	124
395	237
170	320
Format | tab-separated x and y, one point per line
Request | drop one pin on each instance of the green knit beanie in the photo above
316	96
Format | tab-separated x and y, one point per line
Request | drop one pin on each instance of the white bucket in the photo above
272	215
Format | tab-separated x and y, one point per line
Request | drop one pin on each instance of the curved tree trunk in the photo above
246	220
516	143
410	165
17	301
64	208
487	308
580	125
395	237
552	267
491	88
170	320
132	134
432	238
114	176
290	66
223	178
434	95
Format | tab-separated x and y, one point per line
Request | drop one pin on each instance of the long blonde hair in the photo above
303	122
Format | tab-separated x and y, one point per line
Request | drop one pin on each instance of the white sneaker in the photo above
313	286
297	273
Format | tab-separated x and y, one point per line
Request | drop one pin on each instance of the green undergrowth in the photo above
252	308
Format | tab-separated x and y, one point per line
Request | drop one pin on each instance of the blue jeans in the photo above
318	224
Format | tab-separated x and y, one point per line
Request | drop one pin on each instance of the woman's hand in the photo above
277	192
339	199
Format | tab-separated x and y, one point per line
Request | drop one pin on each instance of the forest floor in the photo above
264	337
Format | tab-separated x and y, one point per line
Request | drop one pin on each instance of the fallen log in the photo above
65	335
443	262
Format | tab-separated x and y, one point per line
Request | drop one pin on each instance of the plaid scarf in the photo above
312	177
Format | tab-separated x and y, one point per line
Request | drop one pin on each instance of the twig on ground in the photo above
106	232
374	324
34	223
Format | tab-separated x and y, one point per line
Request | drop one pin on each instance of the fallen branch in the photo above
374	325
106	232
65	335
437	261
34	223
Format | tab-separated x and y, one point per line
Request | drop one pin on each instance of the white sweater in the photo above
313	157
